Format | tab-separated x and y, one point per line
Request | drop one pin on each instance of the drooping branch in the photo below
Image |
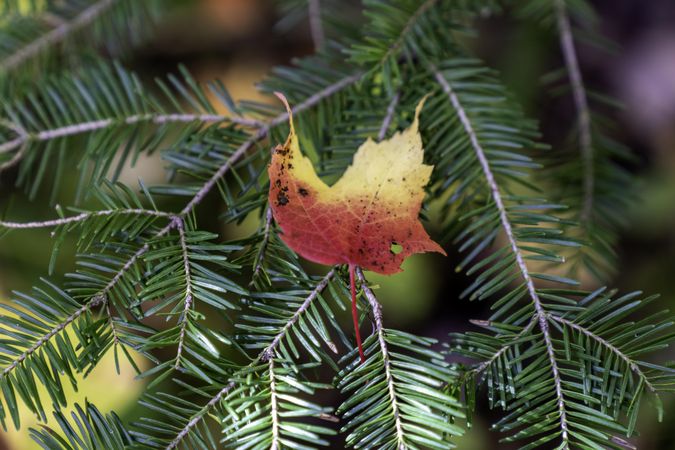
56	35
515	249
389	378
581	104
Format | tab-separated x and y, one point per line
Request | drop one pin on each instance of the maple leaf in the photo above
368	214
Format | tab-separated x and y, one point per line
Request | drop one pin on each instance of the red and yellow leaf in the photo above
358	221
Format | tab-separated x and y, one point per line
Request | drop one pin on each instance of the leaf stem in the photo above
355	312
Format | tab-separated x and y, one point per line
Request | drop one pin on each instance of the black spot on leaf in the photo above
282	199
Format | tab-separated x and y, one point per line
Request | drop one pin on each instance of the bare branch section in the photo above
391	111
510	235
389	378
315	24
581	104
266	355
96	125
83	217
57	35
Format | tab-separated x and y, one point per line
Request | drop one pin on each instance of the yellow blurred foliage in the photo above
103	387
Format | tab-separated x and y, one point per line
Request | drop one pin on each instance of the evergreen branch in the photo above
379	329
391	111
57	35
629	361
95	125
82	217
183	319
96	301
508	230
196	418
315	24
99	299
266	355
276	443
269	351
581	103
86	429
199	196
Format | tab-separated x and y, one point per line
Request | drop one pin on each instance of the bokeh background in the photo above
239	41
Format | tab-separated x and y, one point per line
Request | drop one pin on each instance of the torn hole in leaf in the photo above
396	248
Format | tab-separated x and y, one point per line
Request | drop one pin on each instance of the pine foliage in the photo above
249	331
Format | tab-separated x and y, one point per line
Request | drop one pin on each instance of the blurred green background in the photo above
238	41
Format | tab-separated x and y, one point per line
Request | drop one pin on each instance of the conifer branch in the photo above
57	35
581	104
200	415
315	24
199	196
485	364
269	351
520	261
83	217
94	302
183	319
379	329
99	299
266	355
625	358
